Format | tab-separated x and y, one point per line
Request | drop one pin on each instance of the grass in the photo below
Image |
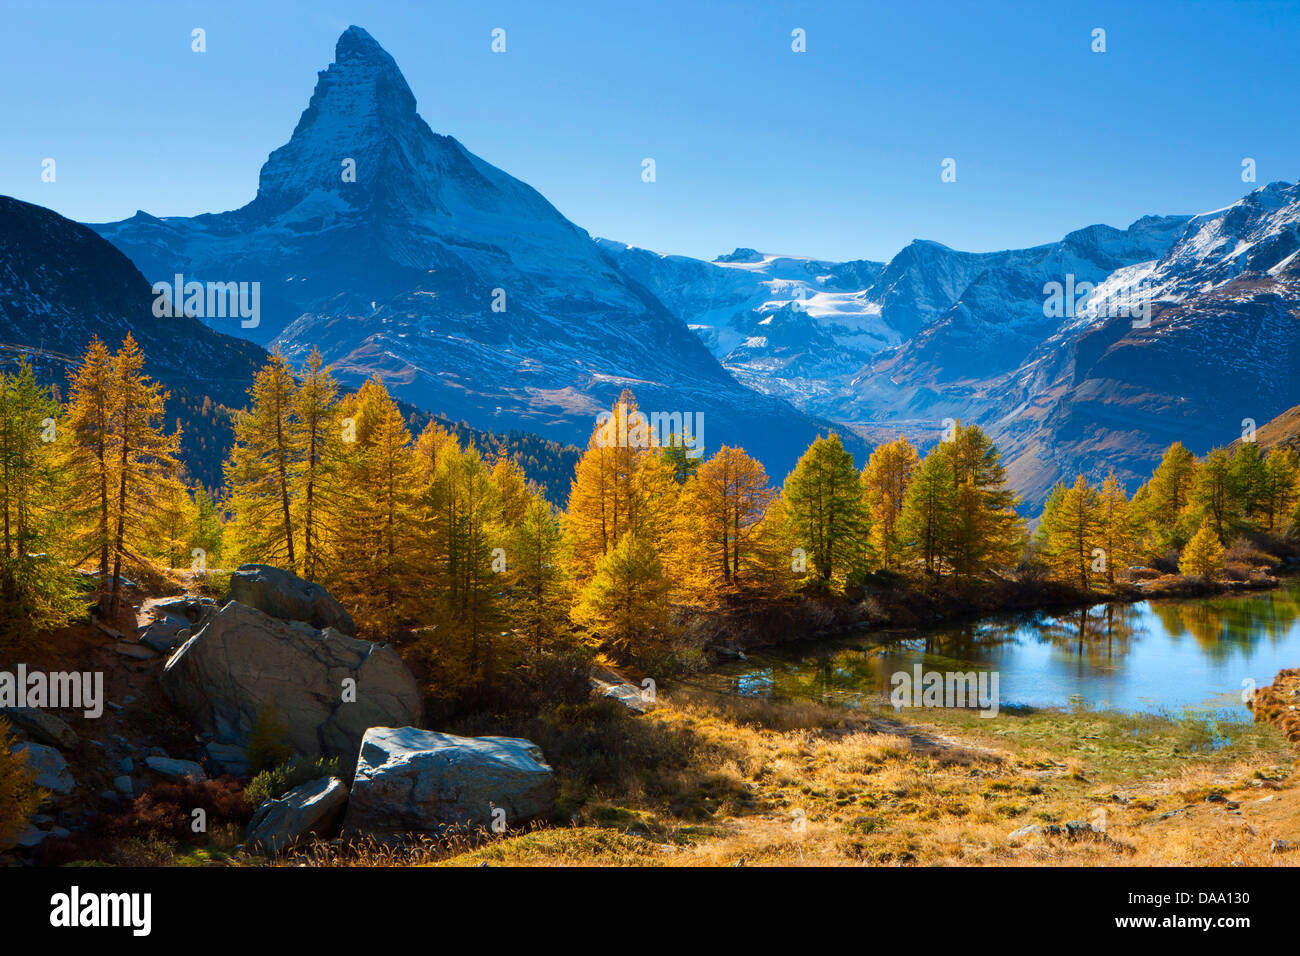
759	783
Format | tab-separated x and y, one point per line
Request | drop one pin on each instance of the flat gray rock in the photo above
313	808
283	594
175	769
137	651
412	781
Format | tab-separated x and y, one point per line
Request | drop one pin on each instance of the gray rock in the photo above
184	609
313	808
126	765
41	726
175	769
1082	830
1025	832
283	594
51	769
166	635
629	695
242	661
135	651
124	786
227	758
417	781
30	837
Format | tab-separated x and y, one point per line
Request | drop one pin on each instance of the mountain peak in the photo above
361	106
356	39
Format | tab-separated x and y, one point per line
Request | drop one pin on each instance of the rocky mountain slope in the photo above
1087	354
807	329
1221	345
462	286
61	285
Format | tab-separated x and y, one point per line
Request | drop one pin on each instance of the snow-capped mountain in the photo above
1091	353
397	251
806	329
794	327
1218	349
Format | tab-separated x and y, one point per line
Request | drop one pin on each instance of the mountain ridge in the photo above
462	286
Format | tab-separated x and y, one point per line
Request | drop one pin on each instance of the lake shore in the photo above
723	632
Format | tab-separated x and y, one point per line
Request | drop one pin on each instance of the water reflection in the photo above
1160	655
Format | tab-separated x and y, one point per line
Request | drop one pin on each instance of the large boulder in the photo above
51	769
242	663
174	769
283	594
412	781
314	808
41	726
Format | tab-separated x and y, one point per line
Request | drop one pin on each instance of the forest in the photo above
449	551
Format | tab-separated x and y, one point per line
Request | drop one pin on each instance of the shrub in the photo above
19	795
148	832
1203	555
275	783
267	744
166	810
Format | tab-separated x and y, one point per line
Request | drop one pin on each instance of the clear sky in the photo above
833	153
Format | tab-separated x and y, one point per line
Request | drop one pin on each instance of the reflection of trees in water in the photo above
1101	634
978	643
1099	637
1221	626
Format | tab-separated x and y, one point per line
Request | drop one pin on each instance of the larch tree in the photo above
1159	505
1203	555
926	523
823	498
375	541
260	467
37	587
1117	533
884	482
88	442
20	797
145	469
986	530
467	505
1216	493
1071	530
621	484
1281	475
538	584
1250	476
624	605
717	537
316	435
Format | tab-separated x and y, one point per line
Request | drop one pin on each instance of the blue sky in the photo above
833	153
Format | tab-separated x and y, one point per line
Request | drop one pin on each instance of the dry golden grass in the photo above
799	784
709	780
